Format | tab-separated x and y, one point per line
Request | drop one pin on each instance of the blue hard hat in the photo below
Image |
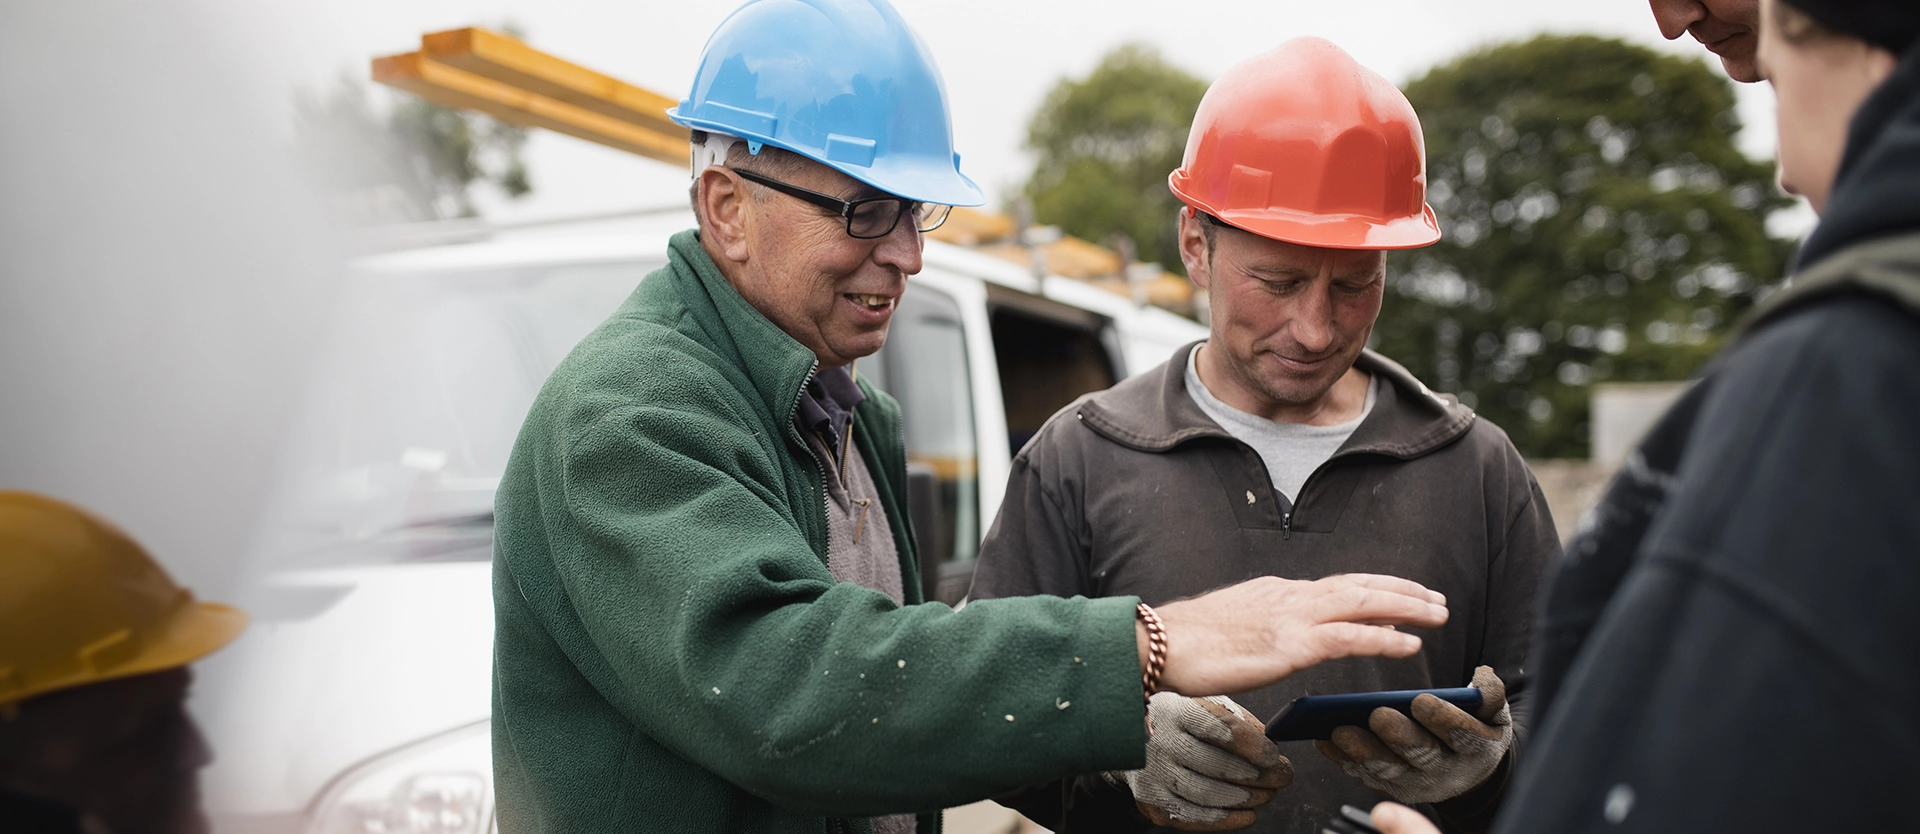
844	83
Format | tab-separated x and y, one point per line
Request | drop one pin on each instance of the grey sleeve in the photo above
1531	544
1530	547
1038	542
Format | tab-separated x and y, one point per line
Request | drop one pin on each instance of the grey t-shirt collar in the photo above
1291	451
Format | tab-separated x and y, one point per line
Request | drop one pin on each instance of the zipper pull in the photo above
1286	525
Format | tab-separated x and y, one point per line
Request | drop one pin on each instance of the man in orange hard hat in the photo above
95	639
1282	446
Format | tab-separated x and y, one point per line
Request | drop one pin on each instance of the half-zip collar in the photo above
1153	412
776	365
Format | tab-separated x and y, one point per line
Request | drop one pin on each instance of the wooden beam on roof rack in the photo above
477	69
449	86
511	62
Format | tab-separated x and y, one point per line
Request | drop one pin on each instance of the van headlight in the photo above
442	784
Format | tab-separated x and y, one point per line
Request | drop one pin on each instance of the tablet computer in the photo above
1315	716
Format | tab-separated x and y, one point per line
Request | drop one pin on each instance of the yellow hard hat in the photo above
80	602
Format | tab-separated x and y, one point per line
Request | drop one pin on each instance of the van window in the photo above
924	366
1047	361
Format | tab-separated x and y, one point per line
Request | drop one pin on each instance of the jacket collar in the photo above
1888	267
776	364
1153	412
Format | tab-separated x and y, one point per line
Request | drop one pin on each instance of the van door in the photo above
924	366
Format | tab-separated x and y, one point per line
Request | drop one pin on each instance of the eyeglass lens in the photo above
877	218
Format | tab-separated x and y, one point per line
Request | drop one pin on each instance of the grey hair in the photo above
771	161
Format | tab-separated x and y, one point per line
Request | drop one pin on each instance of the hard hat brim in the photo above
915	178
1327	231
198	629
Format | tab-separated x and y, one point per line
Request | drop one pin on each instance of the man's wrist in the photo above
1474	809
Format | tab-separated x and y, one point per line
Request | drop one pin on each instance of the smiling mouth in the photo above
1714	46
875	303
1304	363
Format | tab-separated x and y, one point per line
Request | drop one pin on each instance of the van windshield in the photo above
415	404
427	377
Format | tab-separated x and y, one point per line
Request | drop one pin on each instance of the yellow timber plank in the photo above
509	61
973	226
450	87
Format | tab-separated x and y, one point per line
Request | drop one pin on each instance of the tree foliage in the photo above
1599	225
411	160
1106	144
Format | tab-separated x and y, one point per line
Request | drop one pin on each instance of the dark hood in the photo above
1877	192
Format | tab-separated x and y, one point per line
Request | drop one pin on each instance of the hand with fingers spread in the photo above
1438	754
1209	763
1258	632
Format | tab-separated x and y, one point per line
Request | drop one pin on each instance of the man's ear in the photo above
1193	248
725	206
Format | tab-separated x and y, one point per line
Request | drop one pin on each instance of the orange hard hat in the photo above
80	603
1304	145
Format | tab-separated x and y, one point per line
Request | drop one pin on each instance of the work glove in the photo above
1440	753
1209	763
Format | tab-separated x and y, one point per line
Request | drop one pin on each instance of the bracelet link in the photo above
1156	651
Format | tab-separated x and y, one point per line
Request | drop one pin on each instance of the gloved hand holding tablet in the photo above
1437	749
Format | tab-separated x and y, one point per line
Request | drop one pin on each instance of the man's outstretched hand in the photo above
1258	632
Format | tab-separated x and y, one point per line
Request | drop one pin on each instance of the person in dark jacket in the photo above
1730	645
1280	446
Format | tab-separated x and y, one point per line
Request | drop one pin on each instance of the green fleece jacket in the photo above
670	651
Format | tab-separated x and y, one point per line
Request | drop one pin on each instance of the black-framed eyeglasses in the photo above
874	217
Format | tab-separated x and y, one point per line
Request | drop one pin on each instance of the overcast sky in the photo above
999	57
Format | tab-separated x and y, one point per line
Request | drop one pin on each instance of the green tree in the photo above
411	160
1106	144
1599	225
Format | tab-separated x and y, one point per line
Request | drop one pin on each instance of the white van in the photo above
358	701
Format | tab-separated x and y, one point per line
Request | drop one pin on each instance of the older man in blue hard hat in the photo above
708	615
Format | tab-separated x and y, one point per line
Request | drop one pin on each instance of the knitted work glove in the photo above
1208	764
1444	755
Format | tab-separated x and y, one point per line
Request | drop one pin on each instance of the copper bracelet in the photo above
1156	651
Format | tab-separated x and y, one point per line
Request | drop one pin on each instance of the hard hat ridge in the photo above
1305	145
845	83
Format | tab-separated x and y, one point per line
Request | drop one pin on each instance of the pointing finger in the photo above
1356	603
1330	641
1412	741
1393	584
1444	720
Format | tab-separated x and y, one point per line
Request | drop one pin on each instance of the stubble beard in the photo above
1286	390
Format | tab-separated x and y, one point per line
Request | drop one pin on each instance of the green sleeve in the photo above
722	635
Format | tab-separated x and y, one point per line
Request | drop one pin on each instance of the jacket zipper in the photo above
826	493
